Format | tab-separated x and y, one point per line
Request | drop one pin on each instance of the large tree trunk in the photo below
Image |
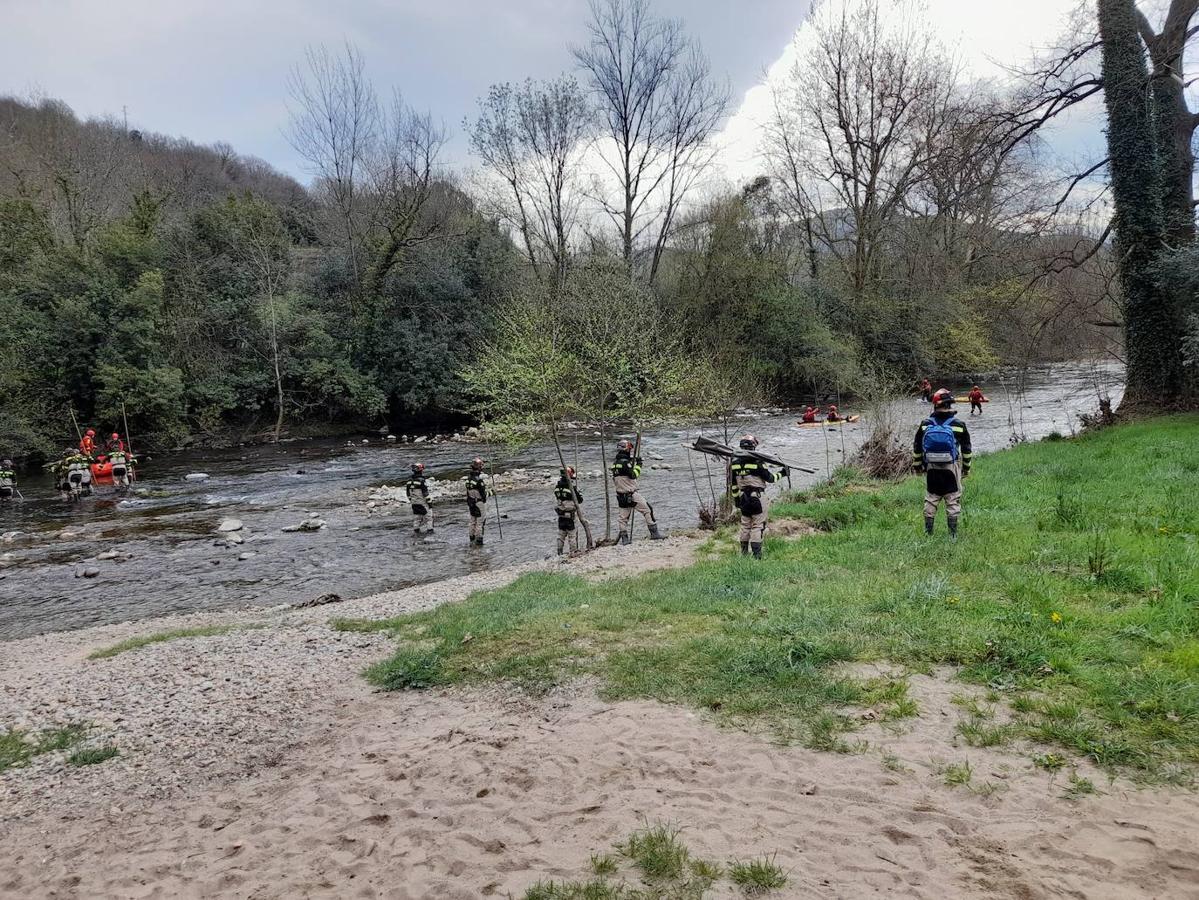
1152	332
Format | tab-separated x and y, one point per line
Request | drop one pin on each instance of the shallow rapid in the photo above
165	534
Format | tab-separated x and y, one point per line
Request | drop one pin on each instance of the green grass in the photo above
92	756
757	876
654	857
18	747
1072	597
160	637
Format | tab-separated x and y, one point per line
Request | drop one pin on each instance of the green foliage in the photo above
160	637
18	747
758	876
92	756
1102	668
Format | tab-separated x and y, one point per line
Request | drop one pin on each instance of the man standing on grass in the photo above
941	449
750	477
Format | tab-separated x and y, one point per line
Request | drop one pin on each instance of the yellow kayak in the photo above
848	420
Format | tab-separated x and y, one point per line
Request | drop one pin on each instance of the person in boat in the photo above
8	480
926	390
833	415
941	450
87	443
976	400
476	502
750	477
809	415
626	469
567	499
417	490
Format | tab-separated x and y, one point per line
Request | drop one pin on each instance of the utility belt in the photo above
624	499
566	518
419	509
749	501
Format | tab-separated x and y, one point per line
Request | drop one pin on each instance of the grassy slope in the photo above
1073	592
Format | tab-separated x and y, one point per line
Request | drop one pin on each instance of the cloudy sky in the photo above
215	70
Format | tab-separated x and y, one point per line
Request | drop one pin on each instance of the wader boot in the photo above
745	548
624	538
757	550
928	524
953	528
655	534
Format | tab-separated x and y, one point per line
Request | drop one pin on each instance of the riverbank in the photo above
256	760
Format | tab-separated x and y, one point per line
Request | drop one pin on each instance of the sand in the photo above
482	792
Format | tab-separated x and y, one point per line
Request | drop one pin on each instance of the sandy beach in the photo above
257	763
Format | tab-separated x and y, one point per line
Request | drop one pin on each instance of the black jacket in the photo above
942	481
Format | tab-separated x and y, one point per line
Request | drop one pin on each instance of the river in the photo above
165	536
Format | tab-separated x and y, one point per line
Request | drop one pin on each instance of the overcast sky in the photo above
215	70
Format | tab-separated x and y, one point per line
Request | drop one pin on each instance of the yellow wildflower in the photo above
1055	617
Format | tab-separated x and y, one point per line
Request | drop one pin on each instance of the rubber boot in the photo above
479	540
757	550
928	524
655	534
745	548
624	538
953	528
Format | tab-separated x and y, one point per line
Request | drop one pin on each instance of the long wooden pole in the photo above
495	497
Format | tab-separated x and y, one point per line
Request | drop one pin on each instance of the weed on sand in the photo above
1072	596
162	636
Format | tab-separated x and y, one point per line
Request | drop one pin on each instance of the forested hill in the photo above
171	278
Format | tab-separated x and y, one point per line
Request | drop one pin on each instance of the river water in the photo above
165	534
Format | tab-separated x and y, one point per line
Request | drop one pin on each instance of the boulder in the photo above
87	572
228	525
391	439
9	536
196	476
306	525
107	554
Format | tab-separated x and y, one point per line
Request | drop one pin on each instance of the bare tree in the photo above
403	170
658	107
335	128
855	127
533	138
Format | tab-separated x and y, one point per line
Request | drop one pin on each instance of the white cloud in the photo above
986	36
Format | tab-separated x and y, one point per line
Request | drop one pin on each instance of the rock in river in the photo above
230	525
196	476
306	525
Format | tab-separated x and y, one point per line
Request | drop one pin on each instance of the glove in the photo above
638	460
786	473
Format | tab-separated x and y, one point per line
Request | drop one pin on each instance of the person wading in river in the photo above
476	501
750	477
417	490
941	449
977	399
8	480
567	498
626	469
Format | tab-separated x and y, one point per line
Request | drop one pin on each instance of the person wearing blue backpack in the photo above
941	450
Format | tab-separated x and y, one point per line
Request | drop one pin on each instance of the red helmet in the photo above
942	398
975	388
749	442
418	467
624	445
90	432
569	471
476	465
115	436
809	409
832	407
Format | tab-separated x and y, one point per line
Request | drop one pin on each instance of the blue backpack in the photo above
940	444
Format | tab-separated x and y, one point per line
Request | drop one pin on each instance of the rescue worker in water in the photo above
8	480
476	502
567	499
626	469
750	477
417	490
